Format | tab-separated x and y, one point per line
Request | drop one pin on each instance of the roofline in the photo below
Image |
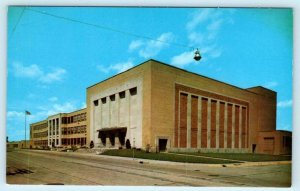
287	131
244	89
38	122
120	73
204	76
262	88
56	114
67	113
75	111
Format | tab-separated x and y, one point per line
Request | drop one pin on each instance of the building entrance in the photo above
112	137
162	145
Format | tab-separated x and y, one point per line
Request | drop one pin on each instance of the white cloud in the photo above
34	71
203	29
196	38
135	44
118	67
44	111
199	17
271	84
53	99
215	25
183	59
215	53
61	108
150	48
284	104
56	75
12	115
31	71
122	66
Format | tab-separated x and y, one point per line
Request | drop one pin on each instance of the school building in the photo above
158	106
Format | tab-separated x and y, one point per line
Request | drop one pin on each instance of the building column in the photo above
127	97
178	128
96	133
189	116
199	123
225	124
59	131
208	122
100	143
109	110
49	132
246	129
108	143
117	140
218	124
118	108
240	127
233	127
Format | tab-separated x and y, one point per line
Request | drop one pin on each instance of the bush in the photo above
128	145
74	148
148	148
92	144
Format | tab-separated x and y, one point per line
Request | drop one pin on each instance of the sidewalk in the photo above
178	164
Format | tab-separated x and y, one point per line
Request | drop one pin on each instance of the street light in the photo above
197	56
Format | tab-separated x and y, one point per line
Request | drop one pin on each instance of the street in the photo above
68	168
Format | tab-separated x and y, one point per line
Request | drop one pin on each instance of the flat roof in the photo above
159	62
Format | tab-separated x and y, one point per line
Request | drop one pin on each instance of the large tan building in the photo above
163	107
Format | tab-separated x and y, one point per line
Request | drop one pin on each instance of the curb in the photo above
172	163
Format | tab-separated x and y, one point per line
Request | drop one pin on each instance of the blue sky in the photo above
51	60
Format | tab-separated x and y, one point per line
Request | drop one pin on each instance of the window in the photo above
103	100
133	91
96	102
122	94
112	97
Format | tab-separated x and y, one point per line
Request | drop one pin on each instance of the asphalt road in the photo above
51	167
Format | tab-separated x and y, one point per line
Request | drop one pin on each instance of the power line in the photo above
17	22
107	28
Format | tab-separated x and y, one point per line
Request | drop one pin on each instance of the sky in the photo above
55	53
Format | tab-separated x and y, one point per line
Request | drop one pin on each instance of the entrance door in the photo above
162	144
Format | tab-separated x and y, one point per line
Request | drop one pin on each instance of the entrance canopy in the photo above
111	129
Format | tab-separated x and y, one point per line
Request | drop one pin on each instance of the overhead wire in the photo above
19	19
108	28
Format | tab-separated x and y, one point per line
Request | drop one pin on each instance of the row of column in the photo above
108	114
114	112
108	143
210	123
54	132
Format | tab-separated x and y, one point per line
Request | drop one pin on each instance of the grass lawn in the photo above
164	157
244	156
